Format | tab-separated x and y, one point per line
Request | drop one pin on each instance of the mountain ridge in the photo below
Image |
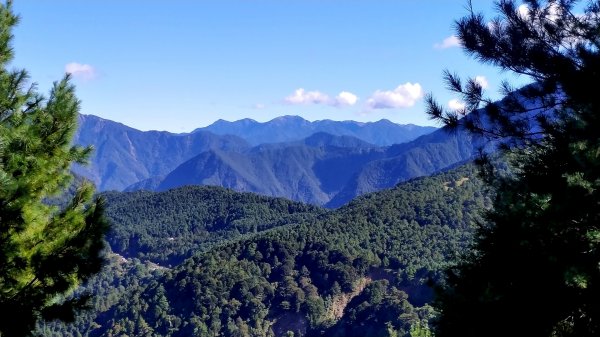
127	158
364	269
124	155
289	127
323	169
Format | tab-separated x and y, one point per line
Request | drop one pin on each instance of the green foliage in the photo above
378	302
536	262
308	276
167	227
45	250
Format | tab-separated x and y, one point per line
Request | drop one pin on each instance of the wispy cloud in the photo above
81	71
259	106
449	42
303	97
404	96
455	104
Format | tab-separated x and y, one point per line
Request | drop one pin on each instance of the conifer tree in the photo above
535	267
46	248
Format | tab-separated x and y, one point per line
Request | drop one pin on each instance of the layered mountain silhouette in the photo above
290	128
322	168
313	170
124	156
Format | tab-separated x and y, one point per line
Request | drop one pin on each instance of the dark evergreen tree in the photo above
45	249
535	267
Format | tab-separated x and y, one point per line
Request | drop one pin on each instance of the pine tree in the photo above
535	267
46	247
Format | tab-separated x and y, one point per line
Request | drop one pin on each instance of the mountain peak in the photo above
288	118
223	122
291	128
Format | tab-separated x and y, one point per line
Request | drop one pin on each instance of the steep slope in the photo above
395	239
124	156
312	170
324	169
360	270
291	128
421	157
166	227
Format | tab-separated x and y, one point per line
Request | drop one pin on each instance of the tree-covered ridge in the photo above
337	270
167	227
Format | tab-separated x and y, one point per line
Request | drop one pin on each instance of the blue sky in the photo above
178	65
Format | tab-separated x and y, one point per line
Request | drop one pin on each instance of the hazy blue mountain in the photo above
323	169
124	156
422	157
291	128
150	184
313	170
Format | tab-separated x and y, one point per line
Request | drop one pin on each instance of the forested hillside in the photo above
320	274
166	227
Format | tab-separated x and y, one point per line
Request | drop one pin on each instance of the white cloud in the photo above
404	96
553	10
523	10
300	96
455	104
482	81
307	97
345	98
81	71
449	42
259	106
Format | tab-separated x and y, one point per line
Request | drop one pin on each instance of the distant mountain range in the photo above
329	166
124	156
290	128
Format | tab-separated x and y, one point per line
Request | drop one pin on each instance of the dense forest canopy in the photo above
167	227
321	273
